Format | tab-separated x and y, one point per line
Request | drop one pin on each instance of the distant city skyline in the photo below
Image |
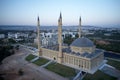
92	12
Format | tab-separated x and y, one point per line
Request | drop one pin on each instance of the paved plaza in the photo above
13	63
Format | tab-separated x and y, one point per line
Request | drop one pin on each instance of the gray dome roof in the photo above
82	42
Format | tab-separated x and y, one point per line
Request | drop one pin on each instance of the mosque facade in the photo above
81	54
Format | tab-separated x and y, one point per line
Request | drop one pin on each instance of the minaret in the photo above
80	31
60	55
38	32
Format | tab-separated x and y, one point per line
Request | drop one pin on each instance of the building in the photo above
11	35
2	36
81	54
17	35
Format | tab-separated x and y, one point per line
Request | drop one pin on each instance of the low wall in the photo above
50	54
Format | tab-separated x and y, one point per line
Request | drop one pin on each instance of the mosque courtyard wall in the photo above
50	54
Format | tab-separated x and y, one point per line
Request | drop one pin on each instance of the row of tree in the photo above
113	46
5	51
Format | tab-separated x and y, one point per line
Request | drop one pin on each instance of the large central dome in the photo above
82	42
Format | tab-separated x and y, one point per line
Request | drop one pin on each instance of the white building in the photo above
2	36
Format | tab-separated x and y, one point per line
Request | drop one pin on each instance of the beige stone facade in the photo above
83	49
38	37
89	65
81	54
60	55
50	54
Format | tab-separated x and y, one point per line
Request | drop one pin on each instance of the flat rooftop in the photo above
68	51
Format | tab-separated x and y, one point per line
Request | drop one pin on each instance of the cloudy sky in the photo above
93	12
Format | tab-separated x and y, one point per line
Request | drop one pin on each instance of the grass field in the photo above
98	76
40	61
30	57
114	63
61	70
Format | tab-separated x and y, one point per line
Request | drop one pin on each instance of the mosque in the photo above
81	54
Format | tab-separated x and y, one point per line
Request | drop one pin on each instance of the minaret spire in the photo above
38	21
60	16
38	32
60	55
80	28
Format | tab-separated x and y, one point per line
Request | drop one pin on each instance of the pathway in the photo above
110	70
47	63
34	59
80	75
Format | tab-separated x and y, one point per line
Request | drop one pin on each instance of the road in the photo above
110	70
112	55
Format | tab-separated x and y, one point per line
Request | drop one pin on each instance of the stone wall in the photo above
82	49
50	54
97	61
80	63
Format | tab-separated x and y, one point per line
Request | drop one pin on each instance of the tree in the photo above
68	39
11	41
76	35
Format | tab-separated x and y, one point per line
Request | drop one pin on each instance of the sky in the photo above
92	12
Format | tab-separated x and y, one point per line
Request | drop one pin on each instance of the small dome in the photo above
82	42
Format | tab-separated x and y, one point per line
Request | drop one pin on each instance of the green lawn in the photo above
114	63
98	76
30	57
61	70
40	61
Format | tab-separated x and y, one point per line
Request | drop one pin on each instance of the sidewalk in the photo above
110	71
